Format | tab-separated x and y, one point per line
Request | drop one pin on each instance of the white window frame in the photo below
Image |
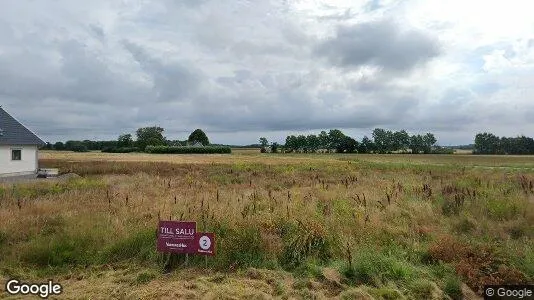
15	149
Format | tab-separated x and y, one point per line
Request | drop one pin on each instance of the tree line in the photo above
146	136
489	143
381	141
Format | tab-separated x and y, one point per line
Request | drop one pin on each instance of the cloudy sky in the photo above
241	69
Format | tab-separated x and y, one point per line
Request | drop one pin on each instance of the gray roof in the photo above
14	133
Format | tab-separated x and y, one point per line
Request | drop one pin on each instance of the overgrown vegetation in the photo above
389	229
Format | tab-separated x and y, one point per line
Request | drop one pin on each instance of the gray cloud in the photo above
172	80
76	70
379	43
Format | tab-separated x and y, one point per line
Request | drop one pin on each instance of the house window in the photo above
16	154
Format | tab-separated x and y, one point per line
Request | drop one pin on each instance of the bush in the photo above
187	150
79	148
453	288
120	150
442	150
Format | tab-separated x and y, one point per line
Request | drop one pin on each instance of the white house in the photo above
18	147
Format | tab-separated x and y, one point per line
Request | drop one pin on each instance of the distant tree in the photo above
380	138
416	144
401	140
366	145
323	140
428	141
150	136
347	145
335	139
59	146
198	136
274	147
312	143
264	142
125	140
302	145
291	143
486	143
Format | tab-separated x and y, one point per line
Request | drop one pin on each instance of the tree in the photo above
274	147
125	140
416	144
312	143
301	143
264	142
428	141
486	143
380	137
152	136
366	146
323	140
347	145
335	139
291	143
198	136
59	146
401	140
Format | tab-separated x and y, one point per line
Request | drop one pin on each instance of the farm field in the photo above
289	226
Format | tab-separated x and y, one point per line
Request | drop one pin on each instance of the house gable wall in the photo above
27	165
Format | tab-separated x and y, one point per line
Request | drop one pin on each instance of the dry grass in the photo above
253	156
373	218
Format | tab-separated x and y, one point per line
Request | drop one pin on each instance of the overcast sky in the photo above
241	69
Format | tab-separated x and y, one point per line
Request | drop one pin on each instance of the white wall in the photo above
27	165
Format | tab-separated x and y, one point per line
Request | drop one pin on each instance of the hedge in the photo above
187	150
120	150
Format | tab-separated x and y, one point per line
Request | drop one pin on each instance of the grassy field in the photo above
288	226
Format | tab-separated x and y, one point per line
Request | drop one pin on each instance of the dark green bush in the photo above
120	150
187	150
453	288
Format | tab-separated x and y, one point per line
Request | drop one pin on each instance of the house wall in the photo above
27	165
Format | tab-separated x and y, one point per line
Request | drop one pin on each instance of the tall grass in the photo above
374	221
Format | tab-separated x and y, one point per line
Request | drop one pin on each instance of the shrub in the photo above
477	265
120	150
187	150
442	150
453	288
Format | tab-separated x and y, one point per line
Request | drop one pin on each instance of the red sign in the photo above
177	237
205	243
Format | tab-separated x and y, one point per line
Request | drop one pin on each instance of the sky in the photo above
243	69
